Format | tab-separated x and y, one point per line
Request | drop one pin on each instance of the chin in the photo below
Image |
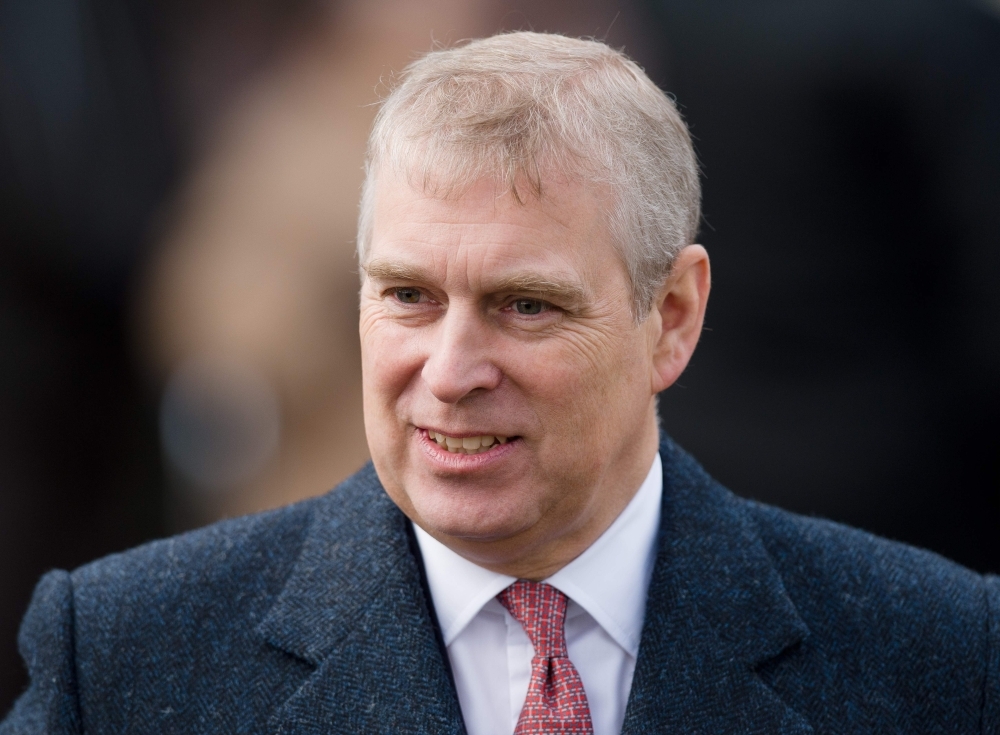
444	515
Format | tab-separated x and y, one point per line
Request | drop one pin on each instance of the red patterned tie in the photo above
556	702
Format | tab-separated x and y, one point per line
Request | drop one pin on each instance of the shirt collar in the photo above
609	579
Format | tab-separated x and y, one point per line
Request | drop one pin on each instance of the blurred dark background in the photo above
851	158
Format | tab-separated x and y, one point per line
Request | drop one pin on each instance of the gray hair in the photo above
513	105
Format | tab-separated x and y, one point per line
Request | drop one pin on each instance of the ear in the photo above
678	314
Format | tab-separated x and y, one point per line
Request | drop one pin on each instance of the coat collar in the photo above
354	607
717	610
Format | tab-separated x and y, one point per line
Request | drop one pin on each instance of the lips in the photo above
466	444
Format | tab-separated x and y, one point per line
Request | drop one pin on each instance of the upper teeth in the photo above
467	444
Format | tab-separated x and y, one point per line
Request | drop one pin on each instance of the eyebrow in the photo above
566	291
388	271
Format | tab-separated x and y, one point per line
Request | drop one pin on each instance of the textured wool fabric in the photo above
556	701
314	619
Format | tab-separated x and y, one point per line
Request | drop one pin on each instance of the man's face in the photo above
507	389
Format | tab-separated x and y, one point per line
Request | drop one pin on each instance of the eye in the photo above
528	306
407	295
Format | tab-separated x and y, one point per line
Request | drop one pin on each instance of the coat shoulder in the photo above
252	554
847	568
249	552
903	635
186	609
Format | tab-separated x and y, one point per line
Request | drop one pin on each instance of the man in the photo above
527	554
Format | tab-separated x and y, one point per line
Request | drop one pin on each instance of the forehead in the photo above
485	232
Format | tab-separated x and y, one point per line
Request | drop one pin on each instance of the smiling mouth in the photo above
467	444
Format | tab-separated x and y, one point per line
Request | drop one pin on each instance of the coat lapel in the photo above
717	610
354	608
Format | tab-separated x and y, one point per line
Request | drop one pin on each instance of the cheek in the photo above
389	359
389	364
386	372
583	385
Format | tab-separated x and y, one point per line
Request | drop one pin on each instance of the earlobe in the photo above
680	312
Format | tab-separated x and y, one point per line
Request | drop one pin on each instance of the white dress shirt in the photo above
491	654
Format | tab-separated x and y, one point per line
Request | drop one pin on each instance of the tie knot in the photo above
541	610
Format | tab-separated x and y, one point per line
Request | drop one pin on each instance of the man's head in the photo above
529	286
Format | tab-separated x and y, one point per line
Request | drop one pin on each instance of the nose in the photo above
458	363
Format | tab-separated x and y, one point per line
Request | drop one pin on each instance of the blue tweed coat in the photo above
315	619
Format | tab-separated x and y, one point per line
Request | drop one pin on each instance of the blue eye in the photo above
528	306
408	295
